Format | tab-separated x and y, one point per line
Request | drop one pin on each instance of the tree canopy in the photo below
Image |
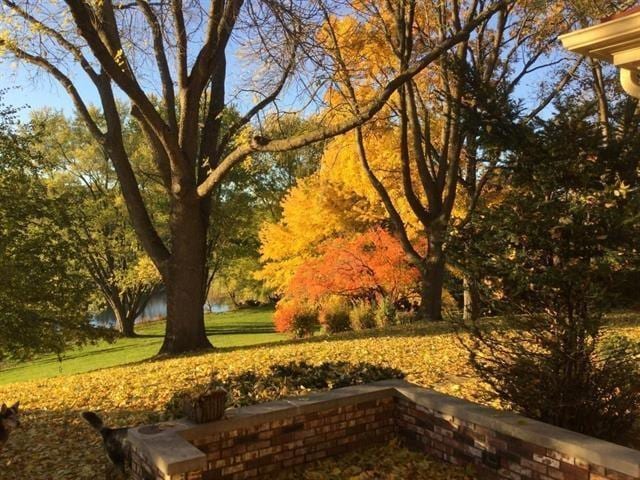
43	292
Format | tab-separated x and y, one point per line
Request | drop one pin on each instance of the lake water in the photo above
156	308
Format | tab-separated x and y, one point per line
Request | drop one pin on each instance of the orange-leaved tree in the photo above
370	266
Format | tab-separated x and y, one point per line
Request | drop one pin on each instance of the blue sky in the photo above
33	89
30	88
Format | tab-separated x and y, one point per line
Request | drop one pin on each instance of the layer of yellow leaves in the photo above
386	462
54	443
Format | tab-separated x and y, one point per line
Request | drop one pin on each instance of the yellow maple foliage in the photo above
314	210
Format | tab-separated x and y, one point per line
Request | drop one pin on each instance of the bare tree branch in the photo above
181	34
554	93
258	107
163	65
56	35
66	83
366	113
120	73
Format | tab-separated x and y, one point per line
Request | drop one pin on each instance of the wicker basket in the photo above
207	407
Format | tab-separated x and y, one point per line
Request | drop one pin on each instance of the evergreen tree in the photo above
550	253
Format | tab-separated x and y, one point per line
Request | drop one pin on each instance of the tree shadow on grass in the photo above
243	328
622	319
74	355
146	335
411	330
240	329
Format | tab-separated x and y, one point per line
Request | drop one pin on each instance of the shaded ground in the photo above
54	443
225	330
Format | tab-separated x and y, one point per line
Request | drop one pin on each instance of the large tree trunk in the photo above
186	280
471	299
433	280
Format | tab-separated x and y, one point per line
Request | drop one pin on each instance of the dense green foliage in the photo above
551	254
100	233
43	295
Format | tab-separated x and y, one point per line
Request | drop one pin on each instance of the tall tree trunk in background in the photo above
120	315
125	324
433	280
471	298
125	306
601	97
472	187
429	172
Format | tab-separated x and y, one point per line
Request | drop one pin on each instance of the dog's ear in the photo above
15	406
3	409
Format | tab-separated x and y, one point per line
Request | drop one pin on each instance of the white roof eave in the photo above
615	41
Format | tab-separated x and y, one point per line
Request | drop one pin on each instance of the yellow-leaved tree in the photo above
442	137
315	210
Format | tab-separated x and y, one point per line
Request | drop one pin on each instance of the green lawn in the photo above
225	330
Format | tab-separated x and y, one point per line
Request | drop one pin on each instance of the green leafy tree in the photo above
105	241
43	291
251	196
98	227
274	174
233	247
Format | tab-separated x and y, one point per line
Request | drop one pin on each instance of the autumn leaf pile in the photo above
386	462
54	443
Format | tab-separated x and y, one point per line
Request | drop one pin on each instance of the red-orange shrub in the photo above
283	316
295	318
371	265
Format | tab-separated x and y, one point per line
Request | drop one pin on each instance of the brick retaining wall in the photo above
267	447
494	455
253	442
